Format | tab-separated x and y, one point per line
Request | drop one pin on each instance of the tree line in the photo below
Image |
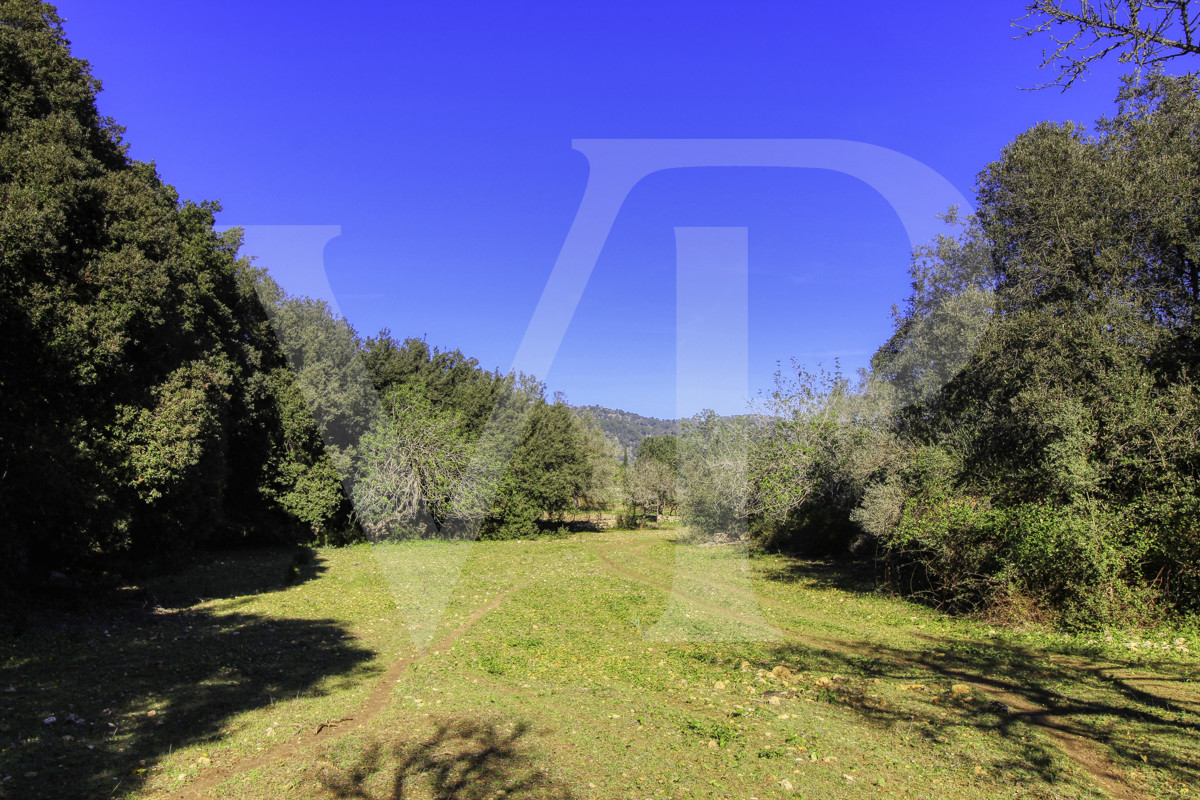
1026	441
158	393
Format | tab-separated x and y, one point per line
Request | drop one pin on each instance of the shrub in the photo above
1081	562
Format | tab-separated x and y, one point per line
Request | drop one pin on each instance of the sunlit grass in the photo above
545	676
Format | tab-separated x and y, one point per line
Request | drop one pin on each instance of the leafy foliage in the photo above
141	407
411	465
712	474
1029	429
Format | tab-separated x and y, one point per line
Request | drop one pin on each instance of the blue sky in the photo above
439	138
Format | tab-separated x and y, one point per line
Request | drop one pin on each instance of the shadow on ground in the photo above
460	760
1119	721
89	702
233	573
846	576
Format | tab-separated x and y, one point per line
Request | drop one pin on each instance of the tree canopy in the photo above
1031	428
1028	434
144	402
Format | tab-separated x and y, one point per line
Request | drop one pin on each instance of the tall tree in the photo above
550	466
132	388
411	466
1070	437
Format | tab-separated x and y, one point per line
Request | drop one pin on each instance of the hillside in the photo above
629	428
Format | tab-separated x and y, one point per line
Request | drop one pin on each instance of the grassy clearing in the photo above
568	668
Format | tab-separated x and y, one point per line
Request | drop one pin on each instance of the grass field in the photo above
610	665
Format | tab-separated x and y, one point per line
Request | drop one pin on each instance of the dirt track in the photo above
326	732
1071	740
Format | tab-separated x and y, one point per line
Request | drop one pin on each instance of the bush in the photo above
1081	562
944	547
1173	551
516	517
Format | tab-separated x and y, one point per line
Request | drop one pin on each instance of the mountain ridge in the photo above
628	428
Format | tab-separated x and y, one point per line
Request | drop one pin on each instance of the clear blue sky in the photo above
438	137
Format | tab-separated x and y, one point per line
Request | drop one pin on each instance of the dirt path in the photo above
332	730
1073	741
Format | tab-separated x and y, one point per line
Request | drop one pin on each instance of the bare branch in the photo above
1144	32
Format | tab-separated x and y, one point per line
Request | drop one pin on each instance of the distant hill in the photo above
629	428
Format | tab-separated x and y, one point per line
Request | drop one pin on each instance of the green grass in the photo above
586	678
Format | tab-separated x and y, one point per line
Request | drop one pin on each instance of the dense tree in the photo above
549	469
140	403
449	378
1031	431
1061	462
943	320
323	351
297	475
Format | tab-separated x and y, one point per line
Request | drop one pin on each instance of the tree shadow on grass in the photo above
460	760
234	573
85	700
860	577
1111	718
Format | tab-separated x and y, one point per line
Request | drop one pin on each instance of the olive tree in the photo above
411	463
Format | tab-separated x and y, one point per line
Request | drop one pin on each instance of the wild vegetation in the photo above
234	558
1025	440
159	394
1056	464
